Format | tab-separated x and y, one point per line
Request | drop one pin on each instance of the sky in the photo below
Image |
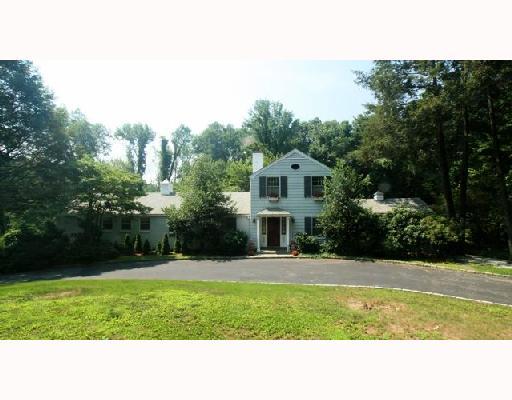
165	93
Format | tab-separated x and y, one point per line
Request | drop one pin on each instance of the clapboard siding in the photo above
295	202
158	229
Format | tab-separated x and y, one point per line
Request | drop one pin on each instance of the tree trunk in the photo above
500	174
443	165
463	195
443	158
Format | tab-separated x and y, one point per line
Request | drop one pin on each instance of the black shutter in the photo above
307	186
284	186
307	225
263	186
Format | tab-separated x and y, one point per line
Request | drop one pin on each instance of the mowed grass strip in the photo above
128	309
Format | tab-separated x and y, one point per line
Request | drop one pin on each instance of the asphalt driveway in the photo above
303	271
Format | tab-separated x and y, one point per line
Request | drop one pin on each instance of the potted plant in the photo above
294	249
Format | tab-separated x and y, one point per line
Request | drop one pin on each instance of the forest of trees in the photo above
439	130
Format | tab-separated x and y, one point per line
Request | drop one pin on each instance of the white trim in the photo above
121	224
140	223
258	172
288	233
258	247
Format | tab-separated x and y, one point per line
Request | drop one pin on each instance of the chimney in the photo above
257	161
165	188
379	196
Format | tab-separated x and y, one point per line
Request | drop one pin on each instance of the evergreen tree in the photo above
166	248
137	244
128	245
146	249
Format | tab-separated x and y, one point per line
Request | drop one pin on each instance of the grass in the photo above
117	309
446	264
462	266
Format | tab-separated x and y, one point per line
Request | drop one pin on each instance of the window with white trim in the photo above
126	223
317	186
145	223
272	186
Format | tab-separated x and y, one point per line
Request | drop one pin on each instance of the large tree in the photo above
493	81
137	136
440	130
165	159
220	142
200	220
36	161
180	149
327	141
87	138
272	126
104	189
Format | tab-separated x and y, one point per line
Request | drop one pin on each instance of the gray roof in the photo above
273	212
157	202
388	205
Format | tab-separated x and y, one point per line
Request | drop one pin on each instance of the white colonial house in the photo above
285	198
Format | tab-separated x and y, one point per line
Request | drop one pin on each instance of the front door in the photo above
273	232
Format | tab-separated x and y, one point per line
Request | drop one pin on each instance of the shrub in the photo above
412	233
440	237
159	248
146	248
29	247
128	245
307	243
90	251
348	227
177	246
356	231
234	243
137	244
166	248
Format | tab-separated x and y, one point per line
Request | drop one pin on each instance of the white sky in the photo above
165	94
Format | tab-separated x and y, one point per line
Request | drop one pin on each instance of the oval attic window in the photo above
295	166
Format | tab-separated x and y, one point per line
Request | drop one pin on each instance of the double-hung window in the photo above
126	223
312	226
317	186
107	223
145	223
273	186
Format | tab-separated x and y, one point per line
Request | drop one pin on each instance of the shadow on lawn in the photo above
89	270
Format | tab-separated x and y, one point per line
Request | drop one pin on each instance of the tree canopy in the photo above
137	136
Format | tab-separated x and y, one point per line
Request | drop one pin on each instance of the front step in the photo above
278	251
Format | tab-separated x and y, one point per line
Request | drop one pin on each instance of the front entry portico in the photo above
273	226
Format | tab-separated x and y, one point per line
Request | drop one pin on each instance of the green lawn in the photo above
119	309
471	267
447	264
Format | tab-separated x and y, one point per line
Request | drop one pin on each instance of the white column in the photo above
258	222
288	233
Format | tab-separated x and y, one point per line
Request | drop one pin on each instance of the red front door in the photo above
273	232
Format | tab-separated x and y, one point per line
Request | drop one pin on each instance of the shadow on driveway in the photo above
90	270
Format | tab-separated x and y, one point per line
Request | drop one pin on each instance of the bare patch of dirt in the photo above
61	294
378	305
